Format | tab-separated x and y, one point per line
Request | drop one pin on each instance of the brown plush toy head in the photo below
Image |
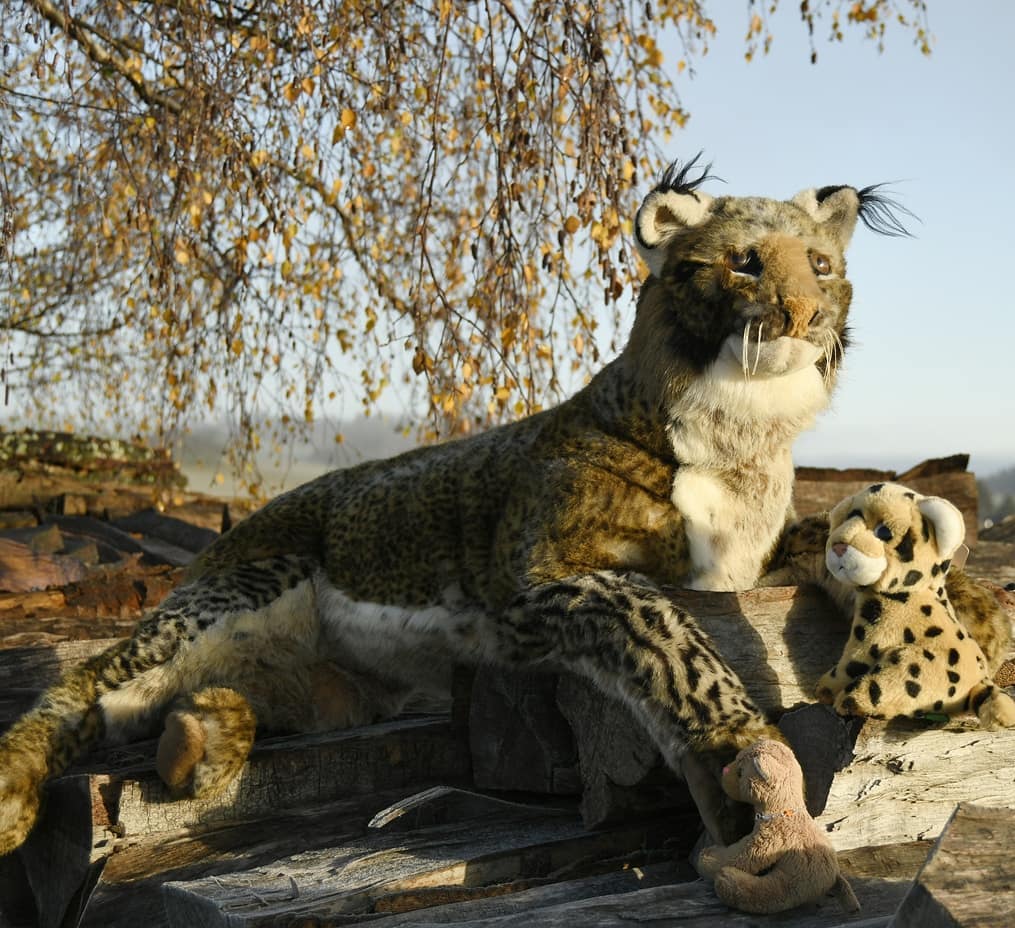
766	775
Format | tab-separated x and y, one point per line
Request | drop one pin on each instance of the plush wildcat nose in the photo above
799	314
840	549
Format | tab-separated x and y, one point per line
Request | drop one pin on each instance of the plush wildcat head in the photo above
754	284
888	537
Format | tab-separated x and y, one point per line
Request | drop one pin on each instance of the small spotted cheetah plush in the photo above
907	654
787	859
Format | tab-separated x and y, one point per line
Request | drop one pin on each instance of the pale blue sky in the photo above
931	369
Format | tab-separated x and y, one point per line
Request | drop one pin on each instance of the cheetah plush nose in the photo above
840	549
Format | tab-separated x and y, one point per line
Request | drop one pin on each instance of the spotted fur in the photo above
541	541
907	653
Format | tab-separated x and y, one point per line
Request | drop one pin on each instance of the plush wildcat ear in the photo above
673	205
949	526
838	207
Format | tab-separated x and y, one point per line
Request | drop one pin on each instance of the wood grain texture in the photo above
904	781
969	878
363	874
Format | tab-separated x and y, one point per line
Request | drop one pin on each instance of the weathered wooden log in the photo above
106	604
153	550
17	518
479	886
968	880
905	780
42	539
386	871
115	797
518	738
181	534
23	570
622	773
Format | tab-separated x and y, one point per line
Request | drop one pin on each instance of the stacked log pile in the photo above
531	801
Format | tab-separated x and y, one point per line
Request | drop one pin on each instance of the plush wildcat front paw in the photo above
206	740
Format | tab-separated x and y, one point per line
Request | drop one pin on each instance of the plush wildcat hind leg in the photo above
220	629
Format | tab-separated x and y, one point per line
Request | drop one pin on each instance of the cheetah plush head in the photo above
755	285
888	537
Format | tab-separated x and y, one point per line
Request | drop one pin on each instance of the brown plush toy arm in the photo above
712	859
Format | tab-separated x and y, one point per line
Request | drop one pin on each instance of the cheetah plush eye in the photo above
744	262
883	532
821	265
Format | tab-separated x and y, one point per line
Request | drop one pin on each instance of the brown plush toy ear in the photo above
763	766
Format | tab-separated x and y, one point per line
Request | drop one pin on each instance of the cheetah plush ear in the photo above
949	526
838	513
675	204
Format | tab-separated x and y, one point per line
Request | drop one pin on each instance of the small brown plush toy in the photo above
787	859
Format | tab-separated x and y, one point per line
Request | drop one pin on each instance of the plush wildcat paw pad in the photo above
206	740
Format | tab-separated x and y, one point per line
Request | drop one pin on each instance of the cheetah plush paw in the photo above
997	710
827	689
206	740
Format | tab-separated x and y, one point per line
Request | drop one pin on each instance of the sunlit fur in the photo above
544	541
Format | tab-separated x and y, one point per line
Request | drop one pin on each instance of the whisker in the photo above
833	346
743	350
757	355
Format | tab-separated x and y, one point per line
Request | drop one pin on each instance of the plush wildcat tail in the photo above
992	705
66	721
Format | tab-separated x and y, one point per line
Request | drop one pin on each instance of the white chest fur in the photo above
732	436
730	528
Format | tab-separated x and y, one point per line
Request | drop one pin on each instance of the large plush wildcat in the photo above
539	541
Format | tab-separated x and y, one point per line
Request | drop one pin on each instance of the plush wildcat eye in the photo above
821	265
883	532
744	262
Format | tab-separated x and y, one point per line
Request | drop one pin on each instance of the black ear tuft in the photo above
880	212
825	192
678	178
